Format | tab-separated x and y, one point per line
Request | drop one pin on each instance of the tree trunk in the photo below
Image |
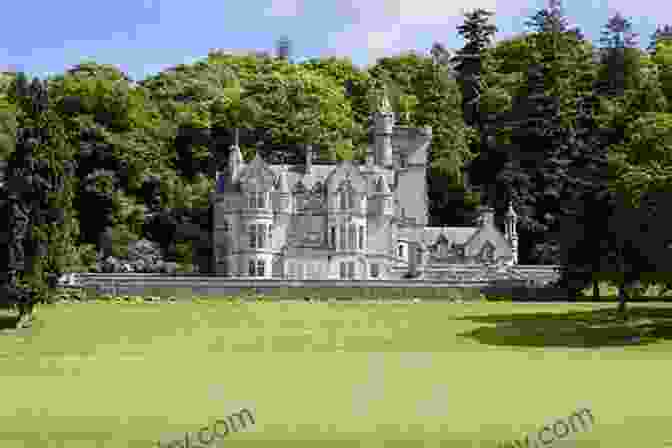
596	290
622	297
25	315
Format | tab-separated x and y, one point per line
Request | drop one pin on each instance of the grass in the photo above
335	374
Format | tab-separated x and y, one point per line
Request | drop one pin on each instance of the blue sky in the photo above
142	37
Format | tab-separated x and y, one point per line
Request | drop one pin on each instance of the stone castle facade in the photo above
347	220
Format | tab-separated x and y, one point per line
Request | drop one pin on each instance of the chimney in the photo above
487	217
309	159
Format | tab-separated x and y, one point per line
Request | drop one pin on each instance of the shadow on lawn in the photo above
581	329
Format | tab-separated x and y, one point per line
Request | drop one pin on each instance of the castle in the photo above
345	221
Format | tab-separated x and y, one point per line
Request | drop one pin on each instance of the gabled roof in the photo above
346	170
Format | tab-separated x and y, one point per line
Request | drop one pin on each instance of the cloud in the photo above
388	27
284	8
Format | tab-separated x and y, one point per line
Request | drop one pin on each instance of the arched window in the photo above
333	238
400	250
361	237
251	267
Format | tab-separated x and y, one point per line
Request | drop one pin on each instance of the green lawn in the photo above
317	374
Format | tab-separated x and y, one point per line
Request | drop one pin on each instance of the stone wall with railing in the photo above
454	277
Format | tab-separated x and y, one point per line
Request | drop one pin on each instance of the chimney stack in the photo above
309	158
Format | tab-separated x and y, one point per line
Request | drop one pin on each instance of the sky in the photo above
143	37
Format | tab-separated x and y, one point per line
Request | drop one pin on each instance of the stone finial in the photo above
511	213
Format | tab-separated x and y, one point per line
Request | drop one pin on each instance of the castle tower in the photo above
384	126
511	232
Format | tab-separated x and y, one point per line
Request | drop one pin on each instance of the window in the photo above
418	256
342	235
400	250
260	268
342	270
227	226
374	270
361	237
253	236
251	268
261	235
257	235
403	161
351	270
344	200
352	237
333	237
257	200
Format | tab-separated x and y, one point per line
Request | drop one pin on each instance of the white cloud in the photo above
284	8
388	27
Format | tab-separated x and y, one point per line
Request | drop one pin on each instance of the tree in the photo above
478	34
621	58
37	202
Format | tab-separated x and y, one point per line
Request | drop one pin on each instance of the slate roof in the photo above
428	236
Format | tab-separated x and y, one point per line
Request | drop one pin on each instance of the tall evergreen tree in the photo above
478	34
620	57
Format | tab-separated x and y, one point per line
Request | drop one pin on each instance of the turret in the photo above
511	232
384	125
